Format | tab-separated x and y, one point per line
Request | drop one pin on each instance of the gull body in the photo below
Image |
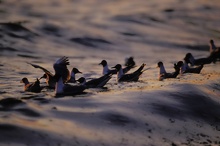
62	88
121	77
106	69
31	87
60	66
163	74
95	83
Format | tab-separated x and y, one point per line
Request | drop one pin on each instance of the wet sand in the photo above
174	112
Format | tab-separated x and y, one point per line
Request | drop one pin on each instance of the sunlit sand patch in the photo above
182	111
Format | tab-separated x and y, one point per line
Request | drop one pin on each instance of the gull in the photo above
62	88
121	77
129	61
106	69
95	83
163	74
31	87
60	66
184	68
73	73
200	61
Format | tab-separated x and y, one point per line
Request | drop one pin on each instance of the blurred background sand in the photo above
182	111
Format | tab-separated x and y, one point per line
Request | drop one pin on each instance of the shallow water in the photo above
88	32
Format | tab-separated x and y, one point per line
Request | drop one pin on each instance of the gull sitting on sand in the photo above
163	74
95	83
184	68
121	77
51	81
73	73
214	55
62	88
201	61
31	87
106	70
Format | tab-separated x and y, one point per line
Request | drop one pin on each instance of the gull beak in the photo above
41	77
113	67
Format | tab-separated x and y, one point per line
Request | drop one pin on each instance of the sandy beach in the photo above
183	111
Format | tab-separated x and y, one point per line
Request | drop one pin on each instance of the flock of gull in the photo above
62	80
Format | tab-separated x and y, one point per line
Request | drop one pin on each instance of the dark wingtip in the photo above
37	81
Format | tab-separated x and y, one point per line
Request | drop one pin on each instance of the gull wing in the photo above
60	67
45	70
133	76
130	77
98	82
72	90
126	69
139	69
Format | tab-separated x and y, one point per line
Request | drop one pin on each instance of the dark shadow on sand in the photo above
17	135
17	30
50	29
10	102
141	19
117	119
90	42
11	105
191	105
